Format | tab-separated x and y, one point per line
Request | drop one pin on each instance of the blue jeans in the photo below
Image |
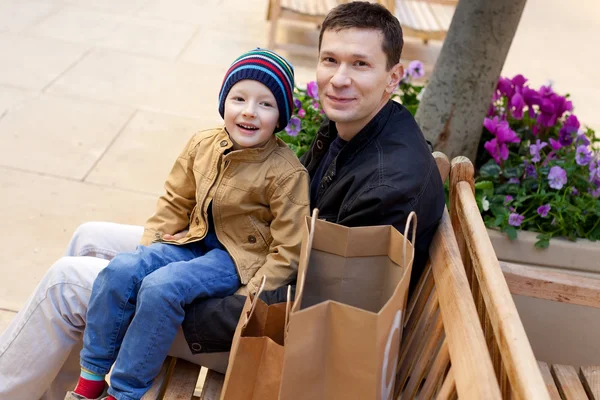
137	306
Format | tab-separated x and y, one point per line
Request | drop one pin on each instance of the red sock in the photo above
111	398
89	388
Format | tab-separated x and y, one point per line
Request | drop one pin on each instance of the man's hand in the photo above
176	236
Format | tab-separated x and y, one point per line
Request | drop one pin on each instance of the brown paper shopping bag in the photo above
345	325
256	358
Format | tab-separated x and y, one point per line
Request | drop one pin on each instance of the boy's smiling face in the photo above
251	114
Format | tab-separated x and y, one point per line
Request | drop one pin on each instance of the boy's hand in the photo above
176	236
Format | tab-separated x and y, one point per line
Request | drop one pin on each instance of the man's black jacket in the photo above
379	177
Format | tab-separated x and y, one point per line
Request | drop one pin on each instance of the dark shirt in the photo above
315	182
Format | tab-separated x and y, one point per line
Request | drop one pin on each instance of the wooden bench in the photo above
446	352
424	19
493	284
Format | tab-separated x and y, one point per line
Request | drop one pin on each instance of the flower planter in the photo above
559	332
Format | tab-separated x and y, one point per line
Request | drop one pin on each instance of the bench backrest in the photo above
513	359
443	342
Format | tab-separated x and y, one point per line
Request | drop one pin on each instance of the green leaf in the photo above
513	172
511	231
542	244
484	185
489	170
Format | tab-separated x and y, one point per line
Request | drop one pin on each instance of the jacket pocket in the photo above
263	230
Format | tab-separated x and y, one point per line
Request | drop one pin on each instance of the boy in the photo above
241	193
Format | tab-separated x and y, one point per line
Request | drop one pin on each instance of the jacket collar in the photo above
223	143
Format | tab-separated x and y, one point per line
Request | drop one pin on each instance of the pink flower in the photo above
517	104
301	113
312	90
498	151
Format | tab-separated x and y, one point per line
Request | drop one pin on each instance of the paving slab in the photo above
59	136
34	62
12	98
144	153
118	7
19	15
40	213
151	37
74	24
146	83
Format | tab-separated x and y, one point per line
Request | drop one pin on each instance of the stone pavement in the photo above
97	98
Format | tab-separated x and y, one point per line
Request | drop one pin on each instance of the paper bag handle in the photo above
288	307
411	216
302	278
261	288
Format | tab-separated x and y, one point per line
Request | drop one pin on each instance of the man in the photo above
369	165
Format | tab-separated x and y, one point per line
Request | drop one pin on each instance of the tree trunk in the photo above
459	93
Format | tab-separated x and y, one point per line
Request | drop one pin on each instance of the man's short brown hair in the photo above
365	15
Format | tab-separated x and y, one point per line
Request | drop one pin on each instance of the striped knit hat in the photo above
268	68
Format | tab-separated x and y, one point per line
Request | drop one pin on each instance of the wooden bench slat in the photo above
448	389
466	344
183	381
590	377
159	384
419	369
568	382
412	348
517	356
212	386
438	368
551	285
549	381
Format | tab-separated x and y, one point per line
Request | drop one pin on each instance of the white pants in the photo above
39	351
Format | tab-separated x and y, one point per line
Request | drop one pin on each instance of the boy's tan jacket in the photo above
259	201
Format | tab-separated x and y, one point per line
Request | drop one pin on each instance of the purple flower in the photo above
530	171
505	87
301	113
498	151
543	210
574	191
514	181
501	130
557	177
531	97
293	127
297	103
594	168
596	192
518	81
555	144
508	199
517	104
582	138
583	155
515	219
569	128
312	90
315	105
535	149
415	69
